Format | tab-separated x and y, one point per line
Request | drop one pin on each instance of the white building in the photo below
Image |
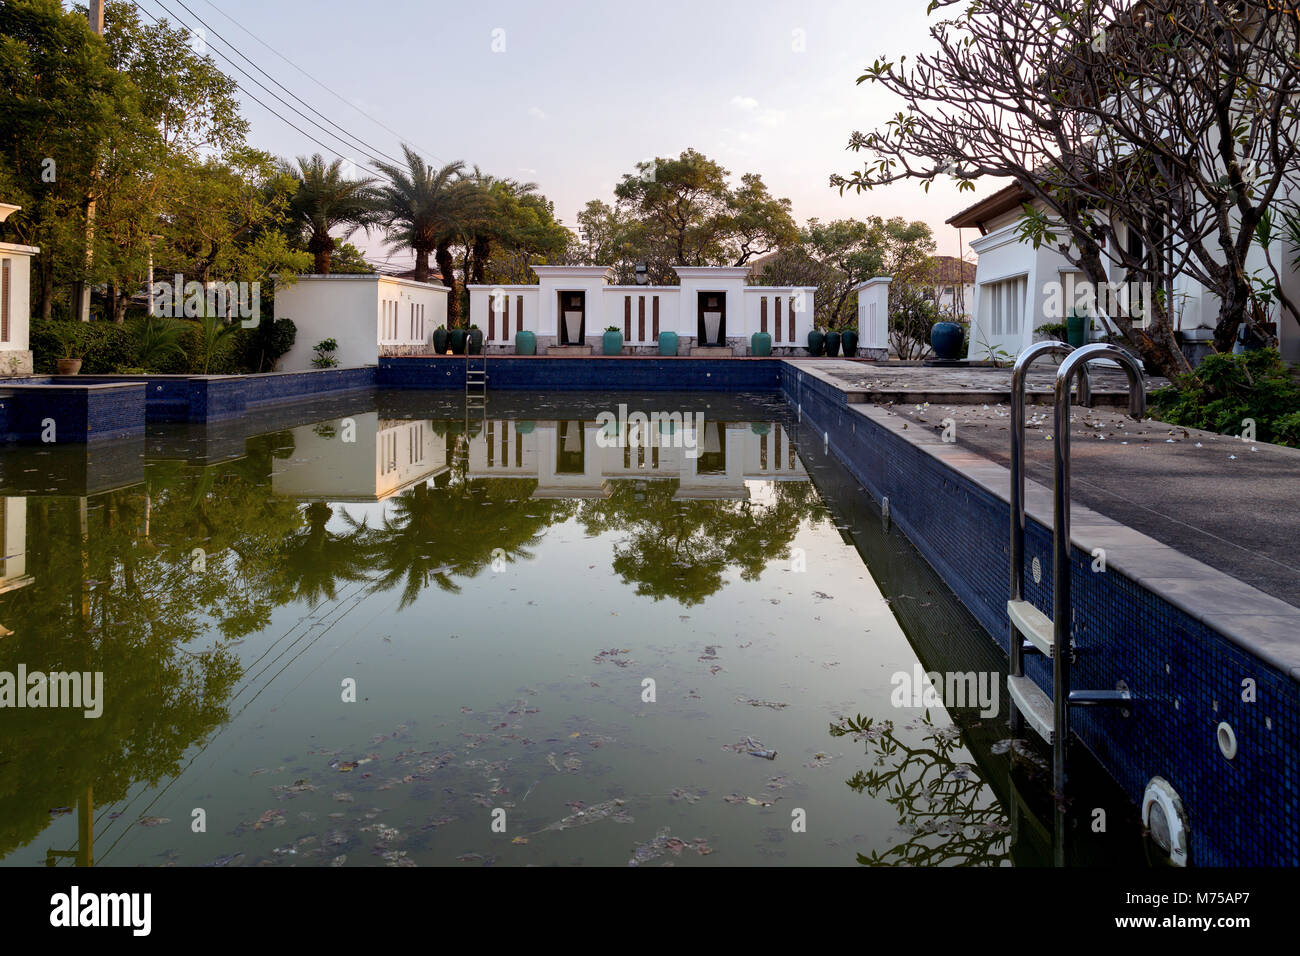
577	459
571	306
368	315
331	460
952	288
1020	288
15	302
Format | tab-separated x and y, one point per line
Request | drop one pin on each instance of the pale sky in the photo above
572	94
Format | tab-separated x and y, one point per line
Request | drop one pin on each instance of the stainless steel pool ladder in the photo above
476	376
1032	631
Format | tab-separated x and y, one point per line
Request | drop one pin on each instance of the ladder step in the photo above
1036	706
1033	624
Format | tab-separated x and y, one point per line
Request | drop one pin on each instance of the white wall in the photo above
873	313
15	353
607	305
384	457
351	310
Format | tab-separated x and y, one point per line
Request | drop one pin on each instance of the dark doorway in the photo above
570	449
711	305
571	303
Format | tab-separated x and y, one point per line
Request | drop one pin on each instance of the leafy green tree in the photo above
509	227
685	212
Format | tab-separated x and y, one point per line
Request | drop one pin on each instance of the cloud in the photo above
536	112
764	117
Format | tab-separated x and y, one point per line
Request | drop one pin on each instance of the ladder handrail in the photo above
1061	622
1019	373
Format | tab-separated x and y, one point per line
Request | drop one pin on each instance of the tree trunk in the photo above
46	287
421	265
1232	312
116	302
1155	343
448	269
482	249
321	246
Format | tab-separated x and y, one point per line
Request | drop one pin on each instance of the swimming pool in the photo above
548	631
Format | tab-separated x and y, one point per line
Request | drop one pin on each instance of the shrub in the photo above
264	344
1227	389
104	347
325	350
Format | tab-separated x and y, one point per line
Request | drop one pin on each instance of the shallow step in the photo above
1034	704
1033	624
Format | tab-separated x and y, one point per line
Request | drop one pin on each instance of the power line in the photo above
297	129
363	143
338	96
272	92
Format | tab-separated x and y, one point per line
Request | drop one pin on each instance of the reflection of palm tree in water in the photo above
316	560
431	532
948	811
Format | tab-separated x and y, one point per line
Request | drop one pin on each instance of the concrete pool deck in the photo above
1227	503
865	381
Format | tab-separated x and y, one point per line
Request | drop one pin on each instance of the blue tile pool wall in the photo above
587	374
1186	676
78	414
180	398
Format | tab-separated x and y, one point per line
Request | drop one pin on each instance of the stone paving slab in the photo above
1232	505
894	382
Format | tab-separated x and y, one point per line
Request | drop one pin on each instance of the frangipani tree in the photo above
1169	122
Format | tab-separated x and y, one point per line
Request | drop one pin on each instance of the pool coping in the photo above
959	396
1262	625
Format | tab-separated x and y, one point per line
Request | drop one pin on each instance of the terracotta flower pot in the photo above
69	366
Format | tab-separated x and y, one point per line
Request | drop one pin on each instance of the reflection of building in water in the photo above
13	536
385	456
574	459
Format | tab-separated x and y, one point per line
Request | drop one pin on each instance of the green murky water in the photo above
388	630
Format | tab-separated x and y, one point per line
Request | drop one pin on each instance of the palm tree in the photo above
422	209
325	199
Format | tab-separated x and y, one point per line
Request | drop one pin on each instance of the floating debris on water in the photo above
664	842
609	810
754	702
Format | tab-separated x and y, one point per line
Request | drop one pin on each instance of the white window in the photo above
1005	305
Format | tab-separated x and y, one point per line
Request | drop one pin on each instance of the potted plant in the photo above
475	340
760	344
73	351
832	343
457	338
849	343
440	340
816	342
946	339
611	343
1053	330
1076	328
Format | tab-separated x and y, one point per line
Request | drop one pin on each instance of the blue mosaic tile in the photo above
1186	676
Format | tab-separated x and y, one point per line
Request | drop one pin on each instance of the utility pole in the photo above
81	291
